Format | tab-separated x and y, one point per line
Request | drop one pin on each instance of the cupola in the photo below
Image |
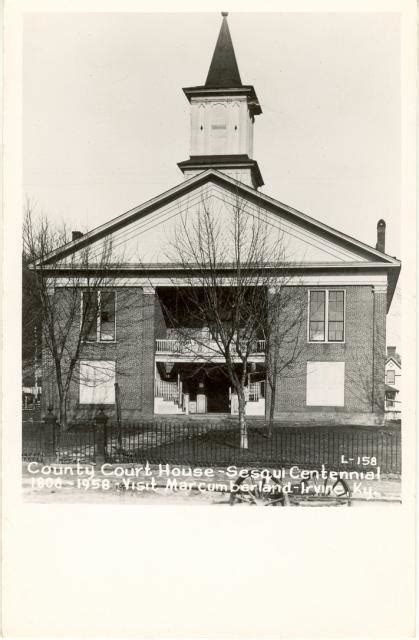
223	112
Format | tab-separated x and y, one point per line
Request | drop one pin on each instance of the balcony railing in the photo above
260	346
255	391
193	347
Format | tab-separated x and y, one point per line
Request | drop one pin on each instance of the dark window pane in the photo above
317	306
336	305
316	331
107	315
335	331
317	316
336	296
89	319
336	312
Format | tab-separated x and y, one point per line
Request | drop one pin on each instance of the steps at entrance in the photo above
206	418
167	407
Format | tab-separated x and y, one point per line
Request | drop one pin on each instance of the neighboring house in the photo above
393	385
32	385
348	288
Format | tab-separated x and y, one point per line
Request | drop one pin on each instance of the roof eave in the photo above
319	267
393	276
246	90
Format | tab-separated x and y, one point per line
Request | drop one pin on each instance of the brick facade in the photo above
380	306
147	349
139	321
132	351
363	353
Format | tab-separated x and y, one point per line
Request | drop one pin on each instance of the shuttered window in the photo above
97	382
325	384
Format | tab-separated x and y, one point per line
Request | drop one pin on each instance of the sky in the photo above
105	120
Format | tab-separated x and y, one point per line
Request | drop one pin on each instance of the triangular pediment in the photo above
146	234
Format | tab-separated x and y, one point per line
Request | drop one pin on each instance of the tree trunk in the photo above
244	441
271	409
62	411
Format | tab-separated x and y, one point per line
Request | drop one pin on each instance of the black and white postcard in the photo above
209	302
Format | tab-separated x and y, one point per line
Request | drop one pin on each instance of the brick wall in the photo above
380	306
139	320
364	365
147	353
133	353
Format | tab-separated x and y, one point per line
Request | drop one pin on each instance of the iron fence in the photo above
200	444
34	442
76	446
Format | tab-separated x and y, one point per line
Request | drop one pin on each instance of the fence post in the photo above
50	431
101	437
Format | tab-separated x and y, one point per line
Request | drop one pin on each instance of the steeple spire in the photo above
223	71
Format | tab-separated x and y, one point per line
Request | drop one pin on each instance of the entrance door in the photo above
217	393
201	403
207	389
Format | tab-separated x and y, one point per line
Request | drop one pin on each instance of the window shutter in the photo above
325	384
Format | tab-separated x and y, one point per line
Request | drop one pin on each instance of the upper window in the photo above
317	319
98	315
107	316
390	376
326	317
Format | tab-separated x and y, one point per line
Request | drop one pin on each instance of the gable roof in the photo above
397	361
373	256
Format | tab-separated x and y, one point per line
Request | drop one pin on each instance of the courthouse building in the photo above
348	287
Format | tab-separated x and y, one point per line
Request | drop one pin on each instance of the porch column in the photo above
148	350
187	404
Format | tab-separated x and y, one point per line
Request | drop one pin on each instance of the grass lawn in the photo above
309	447
219	445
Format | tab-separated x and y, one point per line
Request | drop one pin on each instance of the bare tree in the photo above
232	259
69	313
282	323
31	328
